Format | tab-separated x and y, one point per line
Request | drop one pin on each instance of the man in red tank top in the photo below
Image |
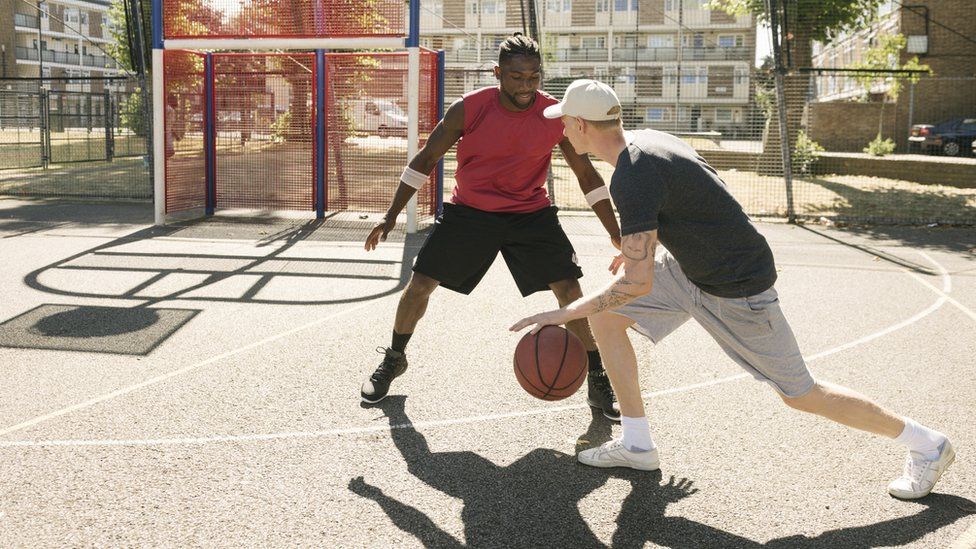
500	204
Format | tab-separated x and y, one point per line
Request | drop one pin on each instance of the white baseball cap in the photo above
586	99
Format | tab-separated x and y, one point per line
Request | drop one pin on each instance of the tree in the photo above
806	21
885	55
809	20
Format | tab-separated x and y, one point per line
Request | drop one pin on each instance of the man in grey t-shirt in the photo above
718	270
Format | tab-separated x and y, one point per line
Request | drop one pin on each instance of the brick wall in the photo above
454	13
651	12
95	24
959	172
938	171
720	17
584	13
845	126
55	23
7	37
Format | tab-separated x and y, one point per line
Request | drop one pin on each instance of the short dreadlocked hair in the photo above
518	44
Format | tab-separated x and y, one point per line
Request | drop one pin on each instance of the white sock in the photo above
921	439
637	434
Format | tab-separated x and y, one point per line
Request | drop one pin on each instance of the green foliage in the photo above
820	20
132	114
806	153
880	147
766	101
281	127
885	56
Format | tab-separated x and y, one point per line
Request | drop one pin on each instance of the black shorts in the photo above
465	242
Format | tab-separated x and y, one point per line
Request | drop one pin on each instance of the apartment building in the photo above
57	38
675	64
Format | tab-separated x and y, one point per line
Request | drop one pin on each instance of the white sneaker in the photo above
921	474
613	454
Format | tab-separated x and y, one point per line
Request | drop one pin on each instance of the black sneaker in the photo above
378	384
600	395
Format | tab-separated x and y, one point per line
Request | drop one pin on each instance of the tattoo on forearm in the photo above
613	297
636	247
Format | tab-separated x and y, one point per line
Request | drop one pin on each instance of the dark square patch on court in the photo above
93	329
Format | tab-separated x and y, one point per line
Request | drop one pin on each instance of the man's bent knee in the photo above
567	290
811	401
421	285
607	323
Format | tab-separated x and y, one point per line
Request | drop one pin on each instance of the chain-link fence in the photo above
74	137
689	68
872	147
731	119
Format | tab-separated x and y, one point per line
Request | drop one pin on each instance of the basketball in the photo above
551	364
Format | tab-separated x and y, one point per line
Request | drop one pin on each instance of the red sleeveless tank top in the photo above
503	157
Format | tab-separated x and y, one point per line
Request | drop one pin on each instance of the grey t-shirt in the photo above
662	183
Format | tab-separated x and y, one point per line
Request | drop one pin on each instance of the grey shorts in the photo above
751	330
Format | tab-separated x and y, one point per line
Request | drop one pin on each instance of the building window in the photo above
491	7
730	41
84	18
656	114
560	6
624	41
660	41
670	74
723	115
694	75
593	42
602	6
625	5
433	9
741	75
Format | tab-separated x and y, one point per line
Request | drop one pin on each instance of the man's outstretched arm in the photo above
445	135
637	279
593	187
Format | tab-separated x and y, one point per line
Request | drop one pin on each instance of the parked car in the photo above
383	117
950	138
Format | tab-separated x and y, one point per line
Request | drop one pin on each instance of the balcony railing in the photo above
689	54
464	55
581	54
645	54
95	61
22	20
28	54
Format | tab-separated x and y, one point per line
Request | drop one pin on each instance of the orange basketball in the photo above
550	364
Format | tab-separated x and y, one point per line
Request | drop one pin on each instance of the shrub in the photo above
880	147
806	153
280	127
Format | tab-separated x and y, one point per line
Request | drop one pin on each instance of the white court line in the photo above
946	284
174	373
944	292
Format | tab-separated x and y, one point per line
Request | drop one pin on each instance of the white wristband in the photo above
413	178
597	194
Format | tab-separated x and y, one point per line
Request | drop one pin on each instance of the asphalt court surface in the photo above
199	385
